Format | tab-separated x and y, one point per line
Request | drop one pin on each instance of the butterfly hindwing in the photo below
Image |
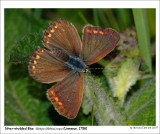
44	67
63	35
67	95
97	43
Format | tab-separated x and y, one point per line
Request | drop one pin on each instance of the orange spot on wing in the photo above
35	62
33	67
60	103
88	31
37	57
101	32
56	98
49	35
95	32
52	31
42	51
55	26
53	93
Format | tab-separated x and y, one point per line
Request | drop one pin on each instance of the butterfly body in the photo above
65	60
77	64
71	61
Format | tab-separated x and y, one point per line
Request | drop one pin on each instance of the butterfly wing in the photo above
63	35
97	43
44	67
67	95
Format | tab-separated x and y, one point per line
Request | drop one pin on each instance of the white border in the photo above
81	4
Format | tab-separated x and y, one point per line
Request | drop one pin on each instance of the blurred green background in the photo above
26	102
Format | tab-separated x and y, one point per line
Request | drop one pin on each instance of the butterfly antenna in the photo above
97	68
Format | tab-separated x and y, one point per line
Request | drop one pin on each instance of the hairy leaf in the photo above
141	108
106	112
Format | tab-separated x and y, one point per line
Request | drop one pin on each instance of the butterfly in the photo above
65	58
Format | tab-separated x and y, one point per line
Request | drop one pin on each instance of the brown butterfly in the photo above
65	58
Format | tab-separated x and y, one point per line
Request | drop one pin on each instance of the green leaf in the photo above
82	17
112	19
126	76
102	18
141	108
92	114
25	47
142	29
151	15
106	112
20	23
95	16
21	105
124	17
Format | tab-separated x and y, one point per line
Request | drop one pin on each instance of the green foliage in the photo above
141	106
25	99
106	111
21	108
126	76
124	18
25	47
142	29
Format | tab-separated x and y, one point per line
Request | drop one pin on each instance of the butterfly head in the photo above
86	70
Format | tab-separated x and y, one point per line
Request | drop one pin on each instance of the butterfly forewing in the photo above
67	95
44	67
97	43
63	35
